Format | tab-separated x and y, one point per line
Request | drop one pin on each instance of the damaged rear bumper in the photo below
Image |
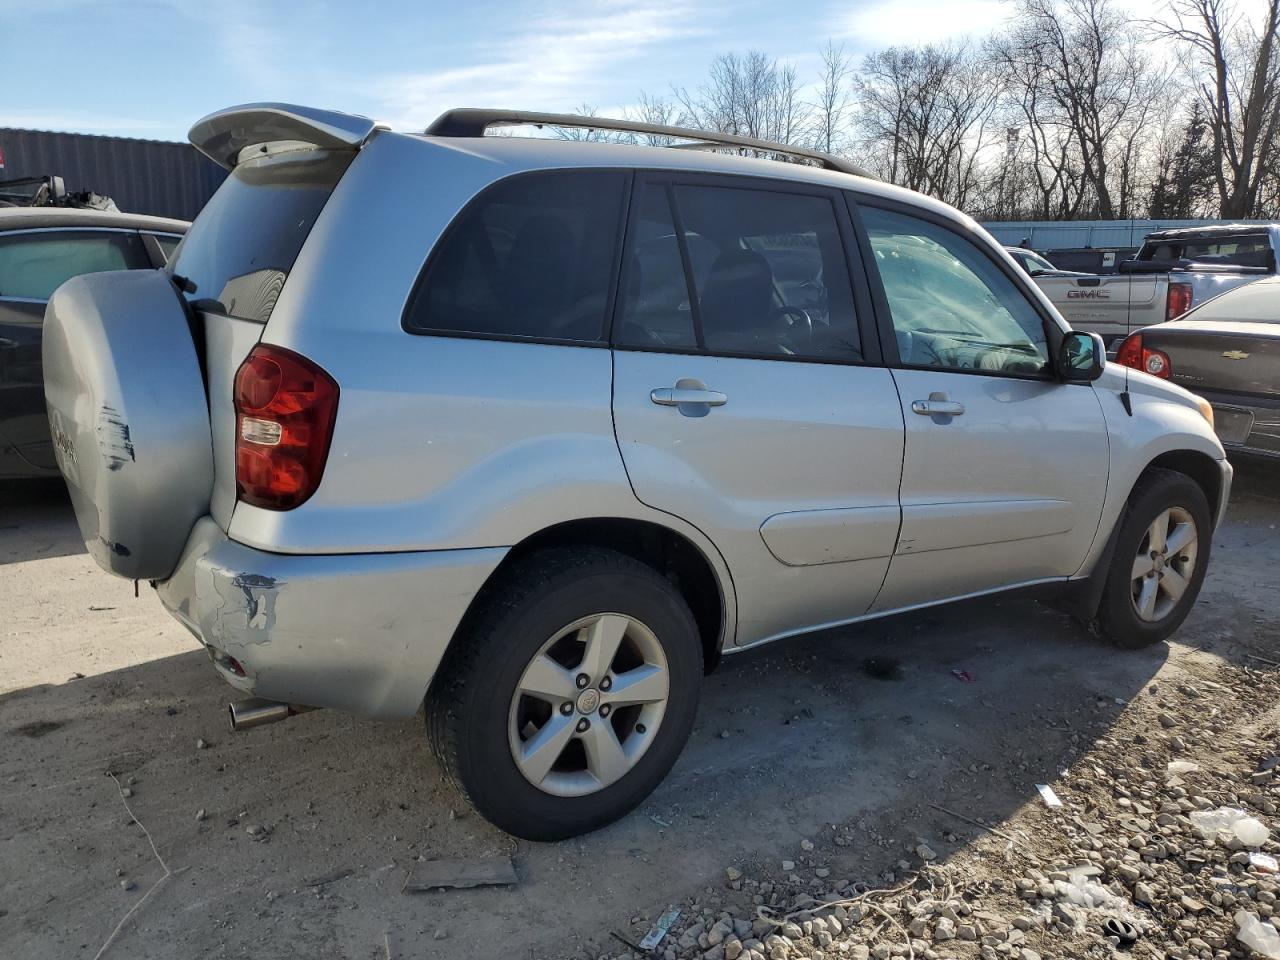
357	632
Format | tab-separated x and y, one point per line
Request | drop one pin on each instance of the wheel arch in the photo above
1084	595
670	552
1200	467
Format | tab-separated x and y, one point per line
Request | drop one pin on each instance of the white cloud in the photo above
556	59
885	23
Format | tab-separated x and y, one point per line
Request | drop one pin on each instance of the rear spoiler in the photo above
223	136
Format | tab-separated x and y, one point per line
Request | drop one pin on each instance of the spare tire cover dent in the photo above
129	418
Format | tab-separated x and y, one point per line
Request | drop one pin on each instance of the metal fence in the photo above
1086	234
156	177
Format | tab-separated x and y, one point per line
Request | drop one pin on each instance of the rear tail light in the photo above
1179	301
285	409
1133	353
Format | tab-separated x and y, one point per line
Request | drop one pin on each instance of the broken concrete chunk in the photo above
461	873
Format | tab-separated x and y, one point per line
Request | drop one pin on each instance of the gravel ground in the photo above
826	806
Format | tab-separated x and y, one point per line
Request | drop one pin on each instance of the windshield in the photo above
238	253
1038	264
21	192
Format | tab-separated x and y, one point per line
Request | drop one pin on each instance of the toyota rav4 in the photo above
533	431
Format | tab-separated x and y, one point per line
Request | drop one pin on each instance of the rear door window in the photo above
238	253
33	265
532	257
655	299
768	275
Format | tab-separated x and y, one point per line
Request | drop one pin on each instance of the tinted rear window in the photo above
533	256
243	244
1249	250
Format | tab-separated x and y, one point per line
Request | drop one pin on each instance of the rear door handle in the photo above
937	408
674	396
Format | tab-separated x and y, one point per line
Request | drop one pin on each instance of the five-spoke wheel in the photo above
1164	564
589	705
1161	550
570	692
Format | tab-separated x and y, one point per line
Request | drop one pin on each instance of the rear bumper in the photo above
1246	424
357	632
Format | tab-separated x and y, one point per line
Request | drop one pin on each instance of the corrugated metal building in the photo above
158	177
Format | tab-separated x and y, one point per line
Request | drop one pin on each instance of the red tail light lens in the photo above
1133	353
1179	301
285	409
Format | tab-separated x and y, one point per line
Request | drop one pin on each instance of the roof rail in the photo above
473	122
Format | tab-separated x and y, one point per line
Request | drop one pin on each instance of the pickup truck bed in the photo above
1197	263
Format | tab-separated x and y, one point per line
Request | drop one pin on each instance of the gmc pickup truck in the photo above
1173	271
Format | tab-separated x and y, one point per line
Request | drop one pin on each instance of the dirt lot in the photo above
801	754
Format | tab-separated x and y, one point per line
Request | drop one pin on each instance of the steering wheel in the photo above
793	318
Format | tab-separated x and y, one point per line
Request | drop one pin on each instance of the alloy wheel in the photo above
1164	565
588	705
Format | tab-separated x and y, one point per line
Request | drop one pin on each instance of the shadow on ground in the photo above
789	740
33	521
985	700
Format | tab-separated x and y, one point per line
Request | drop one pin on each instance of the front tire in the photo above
569	693
1159	563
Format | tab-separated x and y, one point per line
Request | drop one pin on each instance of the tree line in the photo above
1073	110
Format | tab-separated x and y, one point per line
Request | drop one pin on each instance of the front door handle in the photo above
675	396
937	408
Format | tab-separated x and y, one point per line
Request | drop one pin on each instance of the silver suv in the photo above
533	432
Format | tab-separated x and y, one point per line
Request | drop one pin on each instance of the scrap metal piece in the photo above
659	929
1050	798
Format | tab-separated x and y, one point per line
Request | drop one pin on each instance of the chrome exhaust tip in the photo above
256	712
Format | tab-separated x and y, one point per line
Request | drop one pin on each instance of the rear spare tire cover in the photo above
129	418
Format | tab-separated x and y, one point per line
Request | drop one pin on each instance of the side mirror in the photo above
1081	357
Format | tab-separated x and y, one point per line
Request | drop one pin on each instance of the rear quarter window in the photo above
532	257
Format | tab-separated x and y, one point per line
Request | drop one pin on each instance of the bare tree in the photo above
585	134
1238	79
654	110
749	95
927	112
832	107
1063	115
1078	73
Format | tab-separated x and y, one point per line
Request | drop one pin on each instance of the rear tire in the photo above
1159	563
536	750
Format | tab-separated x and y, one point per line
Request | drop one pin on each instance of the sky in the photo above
151	68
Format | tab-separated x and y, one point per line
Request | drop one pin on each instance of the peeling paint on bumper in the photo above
357	632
